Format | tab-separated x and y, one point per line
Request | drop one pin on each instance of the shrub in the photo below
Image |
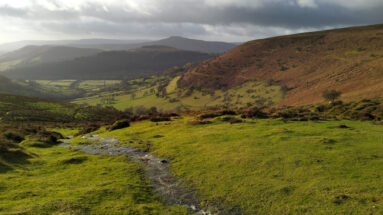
88	129
198	122
331	95
254	112
216	114
234	120
160	119
49	137
119	125
14	137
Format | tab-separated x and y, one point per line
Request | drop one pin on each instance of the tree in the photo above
331	95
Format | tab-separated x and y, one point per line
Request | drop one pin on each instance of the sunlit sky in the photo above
224	20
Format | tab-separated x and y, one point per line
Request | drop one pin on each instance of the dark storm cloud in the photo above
133	29
197	17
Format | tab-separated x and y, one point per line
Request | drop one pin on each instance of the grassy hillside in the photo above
31	55
349	60
163	93
28	109
63	90
269	166
114	65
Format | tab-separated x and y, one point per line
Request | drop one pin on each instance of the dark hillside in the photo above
111	65
31	55
29	109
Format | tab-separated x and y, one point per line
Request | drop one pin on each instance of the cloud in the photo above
232	19
307	3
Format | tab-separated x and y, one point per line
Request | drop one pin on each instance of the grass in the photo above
272	167
8	65
250	93
65	131
57	180
97	84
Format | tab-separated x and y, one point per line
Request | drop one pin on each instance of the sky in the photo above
220	20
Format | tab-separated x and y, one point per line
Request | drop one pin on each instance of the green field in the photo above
75	88
15	108
144	94
57	180
8	65
270	166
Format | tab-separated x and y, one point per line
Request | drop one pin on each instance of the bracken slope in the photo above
349	60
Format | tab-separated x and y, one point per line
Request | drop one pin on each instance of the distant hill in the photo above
105	44
13	87
190	44
111	65
31	55
349	60
109	45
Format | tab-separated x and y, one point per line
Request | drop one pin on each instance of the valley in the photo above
283	125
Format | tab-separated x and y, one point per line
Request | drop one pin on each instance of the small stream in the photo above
156	170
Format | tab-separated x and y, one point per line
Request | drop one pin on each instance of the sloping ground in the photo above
268	166
349	60
27	109
113	65
31	55
9	86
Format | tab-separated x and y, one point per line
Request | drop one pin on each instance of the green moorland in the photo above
162	92
38	177
15	108
271	166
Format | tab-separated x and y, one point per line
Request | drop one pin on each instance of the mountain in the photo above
105	44
109	45
191	44
349	60
12	87
30	55
135	63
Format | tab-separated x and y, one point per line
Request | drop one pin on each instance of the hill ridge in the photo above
349	60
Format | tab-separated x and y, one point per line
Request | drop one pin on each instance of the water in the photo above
156	170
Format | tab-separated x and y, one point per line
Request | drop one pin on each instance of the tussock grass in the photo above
61	181
272	167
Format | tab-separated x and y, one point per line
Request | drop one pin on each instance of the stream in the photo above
156	170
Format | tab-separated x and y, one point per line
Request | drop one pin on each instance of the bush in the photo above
160	119
216	114
331	95
198	122
14	137
254	112
49	137
234	120
88	129
119	125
